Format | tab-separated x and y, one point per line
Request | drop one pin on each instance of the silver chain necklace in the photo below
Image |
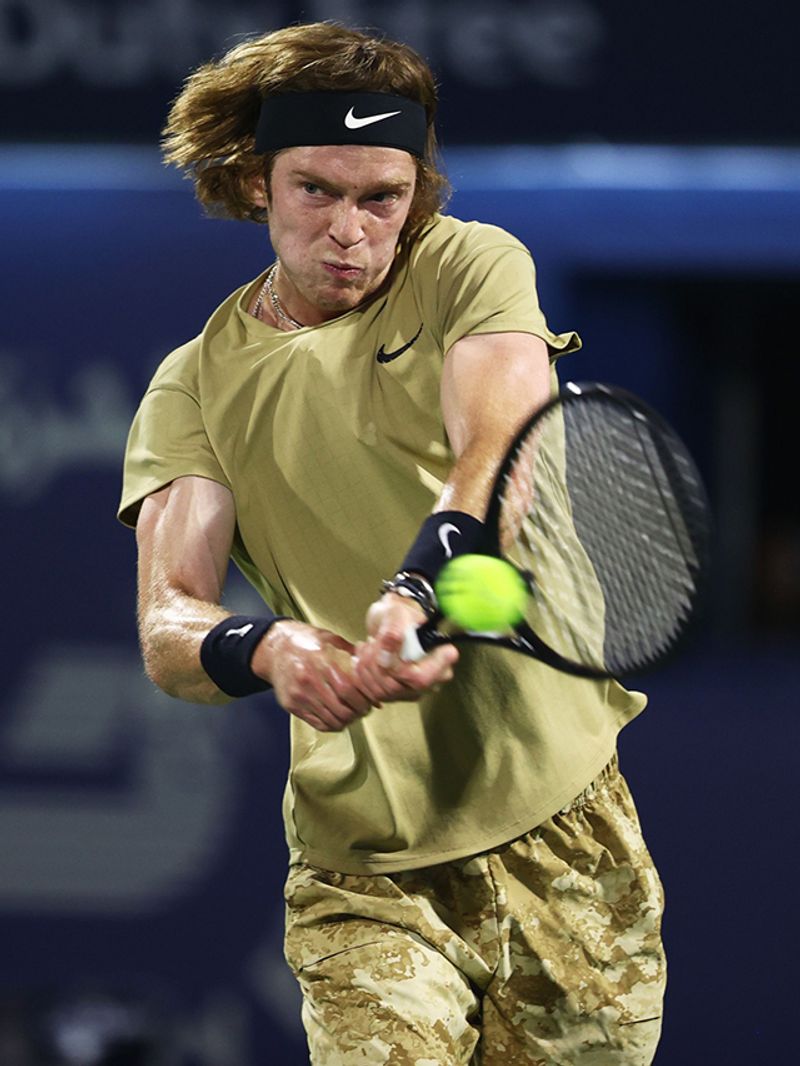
268	289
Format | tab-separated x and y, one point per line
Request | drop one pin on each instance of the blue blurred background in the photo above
649	158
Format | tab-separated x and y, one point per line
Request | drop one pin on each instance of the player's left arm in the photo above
490	384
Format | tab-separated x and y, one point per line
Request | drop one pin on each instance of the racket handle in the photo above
412	650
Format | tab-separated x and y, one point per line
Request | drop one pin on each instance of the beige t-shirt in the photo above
334	460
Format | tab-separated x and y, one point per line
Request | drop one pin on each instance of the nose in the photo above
346	225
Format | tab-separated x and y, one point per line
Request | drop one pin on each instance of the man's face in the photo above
335	216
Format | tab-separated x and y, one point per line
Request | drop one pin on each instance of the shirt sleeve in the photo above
489	286
167	440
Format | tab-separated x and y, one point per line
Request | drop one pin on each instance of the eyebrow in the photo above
388	185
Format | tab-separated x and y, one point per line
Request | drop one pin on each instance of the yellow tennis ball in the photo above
481	593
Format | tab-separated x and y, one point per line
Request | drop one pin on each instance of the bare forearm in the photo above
471	478
184	532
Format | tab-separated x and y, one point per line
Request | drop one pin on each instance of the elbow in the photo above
191	684
156	670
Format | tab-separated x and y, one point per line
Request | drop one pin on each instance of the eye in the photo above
311	188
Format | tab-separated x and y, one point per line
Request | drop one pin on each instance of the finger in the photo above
435	669
390	636
428	675
374	679
365	669
385	676
348	692
394	691
341	681
316	692
342	700
388	648
340	688
311	696
403	680
372	685
379	685
307	715
332	710
441	658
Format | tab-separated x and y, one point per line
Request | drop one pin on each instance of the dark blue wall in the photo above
141	838
511	71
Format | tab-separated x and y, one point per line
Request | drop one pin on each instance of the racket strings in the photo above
564	611
608	535
642	550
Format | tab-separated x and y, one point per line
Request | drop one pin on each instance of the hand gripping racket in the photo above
600	507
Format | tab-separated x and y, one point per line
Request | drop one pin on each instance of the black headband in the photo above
289	120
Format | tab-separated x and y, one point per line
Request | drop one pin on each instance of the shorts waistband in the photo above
609	771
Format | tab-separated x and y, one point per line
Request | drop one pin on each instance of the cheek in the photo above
388	236
294	233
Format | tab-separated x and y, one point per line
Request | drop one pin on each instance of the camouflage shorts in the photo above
544	951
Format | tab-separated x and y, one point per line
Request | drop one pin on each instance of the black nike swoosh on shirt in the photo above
386	357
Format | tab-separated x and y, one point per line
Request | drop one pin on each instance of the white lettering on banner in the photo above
119	42
126	43
562	44
553	43
40	436
150	824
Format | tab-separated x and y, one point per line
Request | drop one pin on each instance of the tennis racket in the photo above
600	507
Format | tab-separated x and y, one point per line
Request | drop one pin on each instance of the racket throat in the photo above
527	641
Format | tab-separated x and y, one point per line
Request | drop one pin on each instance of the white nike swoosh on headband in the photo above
354	123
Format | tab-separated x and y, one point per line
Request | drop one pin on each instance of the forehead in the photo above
347	165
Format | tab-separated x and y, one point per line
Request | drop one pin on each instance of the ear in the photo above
257	190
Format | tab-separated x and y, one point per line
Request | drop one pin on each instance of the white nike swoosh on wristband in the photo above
242	632
354	123
444	536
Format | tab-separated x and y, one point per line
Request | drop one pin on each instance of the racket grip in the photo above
412	650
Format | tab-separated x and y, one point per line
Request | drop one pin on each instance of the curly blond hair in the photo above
210	130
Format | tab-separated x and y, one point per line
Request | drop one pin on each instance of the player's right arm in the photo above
184	535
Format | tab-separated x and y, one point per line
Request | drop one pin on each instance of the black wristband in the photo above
442	537
228	648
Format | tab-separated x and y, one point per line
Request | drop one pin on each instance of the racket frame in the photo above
521	637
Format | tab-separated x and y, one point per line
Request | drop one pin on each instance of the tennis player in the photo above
468	881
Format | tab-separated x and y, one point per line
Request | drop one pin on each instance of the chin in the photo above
343	300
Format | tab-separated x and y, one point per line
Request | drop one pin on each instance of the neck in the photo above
280	312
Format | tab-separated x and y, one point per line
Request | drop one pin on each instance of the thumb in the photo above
389	638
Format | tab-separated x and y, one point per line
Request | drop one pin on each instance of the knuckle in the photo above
295	695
